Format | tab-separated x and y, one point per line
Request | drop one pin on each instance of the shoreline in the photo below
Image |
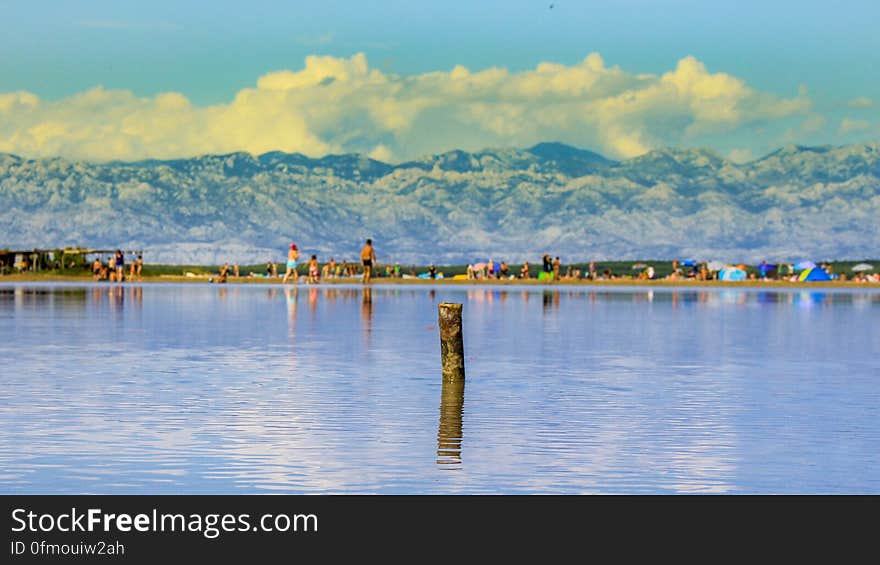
659	283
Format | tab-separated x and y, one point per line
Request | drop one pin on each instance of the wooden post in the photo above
451	342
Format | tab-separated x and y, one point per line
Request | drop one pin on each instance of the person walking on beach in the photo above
313	270
292	256
139	267
368	257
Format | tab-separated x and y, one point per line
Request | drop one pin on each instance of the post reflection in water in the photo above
449	433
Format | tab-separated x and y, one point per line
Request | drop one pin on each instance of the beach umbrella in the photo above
803	265
479	266
639	266
715	265
863	267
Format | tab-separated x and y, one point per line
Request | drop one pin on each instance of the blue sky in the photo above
825	52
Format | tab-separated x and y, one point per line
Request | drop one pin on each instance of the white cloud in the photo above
848	125
343	105
861	102
741	155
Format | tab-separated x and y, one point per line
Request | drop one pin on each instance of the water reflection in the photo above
290	295
449	434
184	388
367	309
550	299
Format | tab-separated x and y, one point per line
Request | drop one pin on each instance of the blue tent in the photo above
814	274
765	268
732	274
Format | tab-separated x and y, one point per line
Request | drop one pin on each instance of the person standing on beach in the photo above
120	266
139	263
96	268
292	256
368	257
556	266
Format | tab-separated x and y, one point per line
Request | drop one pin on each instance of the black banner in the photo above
151	529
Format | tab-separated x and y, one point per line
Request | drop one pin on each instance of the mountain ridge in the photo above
454	206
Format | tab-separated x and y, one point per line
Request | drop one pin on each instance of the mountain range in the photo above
512	204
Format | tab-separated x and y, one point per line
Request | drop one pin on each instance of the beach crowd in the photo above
550	269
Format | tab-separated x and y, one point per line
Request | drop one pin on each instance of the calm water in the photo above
244	389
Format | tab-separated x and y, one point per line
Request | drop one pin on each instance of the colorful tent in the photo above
765	268
732	274
814	274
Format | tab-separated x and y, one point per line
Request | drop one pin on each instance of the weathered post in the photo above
451	342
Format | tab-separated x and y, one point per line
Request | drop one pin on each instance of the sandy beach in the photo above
618	282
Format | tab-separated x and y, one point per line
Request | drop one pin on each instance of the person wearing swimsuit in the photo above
368	257
313	270
292	256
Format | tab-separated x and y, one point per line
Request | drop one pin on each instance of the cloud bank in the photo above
339	105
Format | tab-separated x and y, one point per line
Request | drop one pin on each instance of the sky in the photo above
102	80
